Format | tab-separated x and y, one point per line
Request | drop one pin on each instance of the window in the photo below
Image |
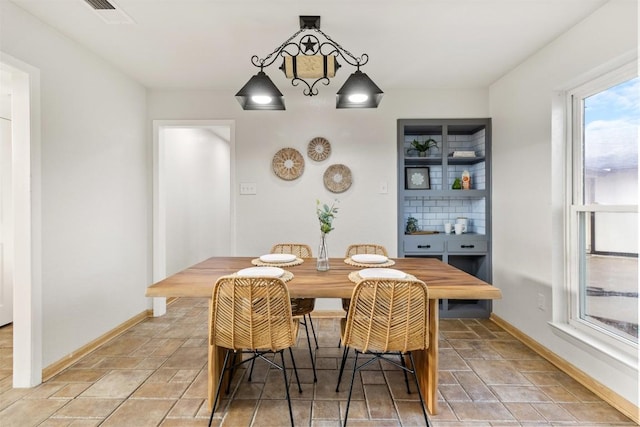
603	208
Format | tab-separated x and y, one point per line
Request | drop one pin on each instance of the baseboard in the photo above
57	367
597	388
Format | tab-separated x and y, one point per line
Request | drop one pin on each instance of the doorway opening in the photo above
193	201
21	233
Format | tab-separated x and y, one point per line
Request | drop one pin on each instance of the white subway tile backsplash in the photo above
433	212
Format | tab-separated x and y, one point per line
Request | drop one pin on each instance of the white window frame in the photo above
576	212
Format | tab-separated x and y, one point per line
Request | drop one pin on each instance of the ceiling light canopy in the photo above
308	60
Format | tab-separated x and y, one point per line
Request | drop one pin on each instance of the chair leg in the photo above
313	330
353	377
295	370
344	361
253	362
415	377
286	385
215	401
404	371
313	363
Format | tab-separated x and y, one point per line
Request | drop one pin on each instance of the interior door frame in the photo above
27	228
159	194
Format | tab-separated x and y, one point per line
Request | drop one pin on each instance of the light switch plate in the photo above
248	188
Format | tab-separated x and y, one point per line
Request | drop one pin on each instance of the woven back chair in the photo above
301	307
252	315
362	248
252	312
386	317
298	249
366	248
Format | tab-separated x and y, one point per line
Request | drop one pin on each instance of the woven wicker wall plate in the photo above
288	164
318	149
337	178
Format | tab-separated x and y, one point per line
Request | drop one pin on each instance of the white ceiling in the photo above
207	44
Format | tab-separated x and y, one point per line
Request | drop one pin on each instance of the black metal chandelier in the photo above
304	60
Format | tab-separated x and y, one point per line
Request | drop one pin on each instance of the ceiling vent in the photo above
100	4
109	12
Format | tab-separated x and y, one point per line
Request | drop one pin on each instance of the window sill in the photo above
595	347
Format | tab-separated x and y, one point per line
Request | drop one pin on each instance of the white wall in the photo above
95	200
197	177
364	140
527	182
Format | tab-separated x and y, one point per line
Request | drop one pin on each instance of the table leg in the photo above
427	362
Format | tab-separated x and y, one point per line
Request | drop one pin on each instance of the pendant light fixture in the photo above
309	57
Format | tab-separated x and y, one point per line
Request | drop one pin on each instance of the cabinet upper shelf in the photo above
430	161
465	160
472	194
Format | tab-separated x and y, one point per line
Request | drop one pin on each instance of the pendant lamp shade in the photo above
359	91
309	59
260	93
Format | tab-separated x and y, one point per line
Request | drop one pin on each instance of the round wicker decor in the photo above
288	164
337	178
318	149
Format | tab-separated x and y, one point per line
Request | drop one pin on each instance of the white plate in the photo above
277	258
261	272
369	258
382	273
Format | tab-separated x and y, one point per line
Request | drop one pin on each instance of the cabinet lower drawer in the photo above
420	246
473	246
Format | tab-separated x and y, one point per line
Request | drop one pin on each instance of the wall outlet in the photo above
541	303
383	189
248	188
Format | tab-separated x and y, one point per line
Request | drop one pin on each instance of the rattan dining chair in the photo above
301	307
386	317
252	315
362	248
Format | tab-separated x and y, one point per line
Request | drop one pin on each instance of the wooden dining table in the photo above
443	281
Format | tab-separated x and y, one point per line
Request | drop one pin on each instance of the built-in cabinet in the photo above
426	193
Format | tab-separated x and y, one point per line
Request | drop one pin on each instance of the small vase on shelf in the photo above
323	254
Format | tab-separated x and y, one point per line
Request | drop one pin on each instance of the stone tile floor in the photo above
155	375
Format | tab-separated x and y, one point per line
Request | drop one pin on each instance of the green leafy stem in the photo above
326	215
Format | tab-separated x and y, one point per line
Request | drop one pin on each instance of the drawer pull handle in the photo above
467	246
424	246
